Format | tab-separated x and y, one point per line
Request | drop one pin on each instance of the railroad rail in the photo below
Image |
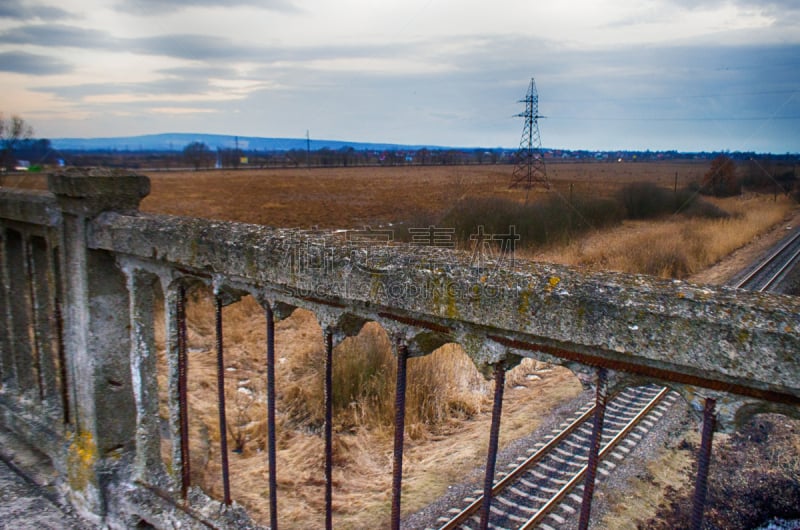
773	268
533	489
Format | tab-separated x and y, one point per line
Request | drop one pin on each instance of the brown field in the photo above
420	196
446	439
355	197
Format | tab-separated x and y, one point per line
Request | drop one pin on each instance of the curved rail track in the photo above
528	495
773	268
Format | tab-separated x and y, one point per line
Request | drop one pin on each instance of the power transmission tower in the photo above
530	169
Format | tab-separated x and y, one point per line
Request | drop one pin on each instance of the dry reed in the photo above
674	247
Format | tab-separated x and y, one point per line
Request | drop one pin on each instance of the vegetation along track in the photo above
527	497
769	272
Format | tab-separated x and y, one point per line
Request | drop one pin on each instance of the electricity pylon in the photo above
530	169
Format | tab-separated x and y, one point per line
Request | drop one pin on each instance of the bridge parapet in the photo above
80	383
714	337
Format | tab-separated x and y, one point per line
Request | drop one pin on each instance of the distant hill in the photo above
177	141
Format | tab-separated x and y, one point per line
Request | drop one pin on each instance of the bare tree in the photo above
199	155
721	179
13	131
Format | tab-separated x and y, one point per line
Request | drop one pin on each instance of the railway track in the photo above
766	275
544	489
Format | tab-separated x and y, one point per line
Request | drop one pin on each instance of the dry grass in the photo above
442	387
670	471
674	247
447	415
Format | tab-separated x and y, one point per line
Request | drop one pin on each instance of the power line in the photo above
674	97
645	118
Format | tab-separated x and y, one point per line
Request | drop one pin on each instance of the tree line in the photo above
726	176
200	156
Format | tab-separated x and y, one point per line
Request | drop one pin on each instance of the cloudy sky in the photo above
611	74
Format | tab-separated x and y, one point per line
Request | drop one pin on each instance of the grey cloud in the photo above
785	12
183	46
202	47
195	47
17	9
165	87
780	5
32	64
59	35
200	72
156	7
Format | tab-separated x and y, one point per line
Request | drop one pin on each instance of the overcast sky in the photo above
611	74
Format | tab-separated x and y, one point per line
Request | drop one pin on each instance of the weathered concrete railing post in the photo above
96	334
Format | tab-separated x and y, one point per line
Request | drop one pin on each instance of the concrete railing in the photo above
81	268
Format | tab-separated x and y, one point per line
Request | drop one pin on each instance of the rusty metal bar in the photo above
271	445
399	431
183	404
594	450
223	426
703	463
328	429
494	438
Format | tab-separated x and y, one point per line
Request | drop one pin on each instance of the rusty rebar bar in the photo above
597	436
271	446
183	407
703	463
399	431
494	437
223	425
328	429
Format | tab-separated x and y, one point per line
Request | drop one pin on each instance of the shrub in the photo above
549	221
440	386
645	200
